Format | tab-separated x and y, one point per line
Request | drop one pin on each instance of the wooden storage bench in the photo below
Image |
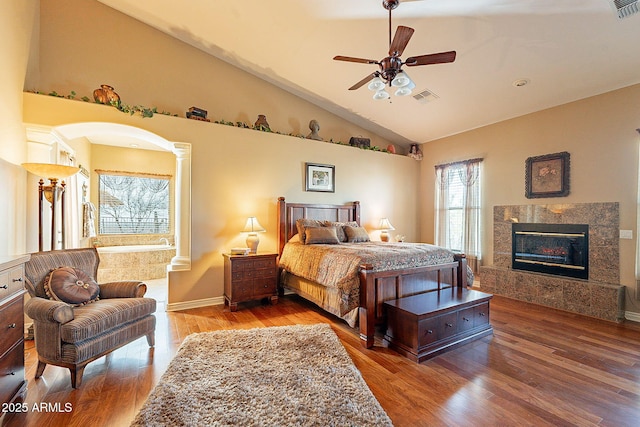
425	325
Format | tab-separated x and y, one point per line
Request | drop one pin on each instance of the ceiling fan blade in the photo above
363	82
400	40
359	60
434	58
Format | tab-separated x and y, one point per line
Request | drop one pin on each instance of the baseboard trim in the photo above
630	315
186	305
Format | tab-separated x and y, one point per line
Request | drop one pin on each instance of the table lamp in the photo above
253	227
385	227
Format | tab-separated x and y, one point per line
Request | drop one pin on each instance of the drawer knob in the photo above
449	325
19	279
429	331
11	373
4	287
12	326
465	319
482	314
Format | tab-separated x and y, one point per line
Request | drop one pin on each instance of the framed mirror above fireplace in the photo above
558	249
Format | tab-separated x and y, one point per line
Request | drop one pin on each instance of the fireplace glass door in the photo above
560	249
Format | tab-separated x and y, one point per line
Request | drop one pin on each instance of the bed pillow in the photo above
71	285
302	224
317	235
340	228
356	234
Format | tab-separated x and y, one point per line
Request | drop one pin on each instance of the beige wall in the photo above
17	23
150	68
238	173
600	135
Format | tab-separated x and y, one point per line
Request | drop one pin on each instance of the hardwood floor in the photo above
541	367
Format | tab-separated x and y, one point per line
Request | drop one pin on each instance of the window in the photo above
458	204
133	204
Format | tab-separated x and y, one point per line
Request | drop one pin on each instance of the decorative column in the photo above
182	260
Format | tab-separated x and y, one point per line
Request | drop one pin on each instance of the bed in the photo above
372	284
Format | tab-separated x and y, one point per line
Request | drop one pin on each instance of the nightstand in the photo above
250	277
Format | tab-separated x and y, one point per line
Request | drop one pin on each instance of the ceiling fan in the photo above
390	71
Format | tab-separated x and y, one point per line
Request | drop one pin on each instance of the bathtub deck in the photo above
143	264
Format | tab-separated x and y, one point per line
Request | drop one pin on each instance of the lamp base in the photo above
252	243
384	236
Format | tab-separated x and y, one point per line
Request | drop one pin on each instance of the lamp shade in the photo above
402	79
253	226
50	170
381	95
385	224
405	90
376	84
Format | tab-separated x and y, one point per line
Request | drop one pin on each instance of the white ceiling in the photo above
567	49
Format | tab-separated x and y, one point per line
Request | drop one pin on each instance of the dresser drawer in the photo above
264	287
11	323
440	326
11	281
11	372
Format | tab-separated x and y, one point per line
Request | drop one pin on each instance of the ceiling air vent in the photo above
425	96
625	8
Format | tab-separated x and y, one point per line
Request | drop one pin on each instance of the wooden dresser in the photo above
12	381
250	277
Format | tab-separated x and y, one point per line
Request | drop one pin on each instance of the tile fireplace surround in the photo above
601	296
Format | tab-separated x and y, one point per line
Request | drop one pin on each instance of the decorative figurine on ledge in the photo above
261	123
196	113
315	128
106	95
414	152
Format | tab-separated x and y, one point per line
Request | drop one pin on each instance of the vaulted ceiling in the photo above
563	50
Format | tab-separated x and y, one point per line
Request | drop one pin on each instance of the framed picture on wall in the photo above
547	175
320	177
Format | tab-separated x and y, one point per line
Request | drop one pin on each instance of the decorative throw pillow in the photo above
302	224
71	285
356	234
316	235
340	228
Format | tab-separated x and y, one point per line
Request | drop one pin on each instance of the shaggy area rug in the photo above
279	376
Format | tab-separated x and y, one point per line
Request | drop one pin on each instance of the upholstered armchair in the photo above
70	332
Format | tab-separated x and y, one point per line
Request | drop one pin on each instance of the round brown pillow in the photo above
71	285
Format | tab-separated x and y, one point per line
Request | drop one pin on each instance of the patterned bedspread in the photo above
337	266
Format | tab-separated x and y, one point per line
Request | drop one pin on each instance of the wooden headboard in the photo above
289	213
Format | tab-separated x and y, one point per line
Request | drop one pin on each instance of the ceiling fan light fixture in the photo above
402	79
381	95
376	84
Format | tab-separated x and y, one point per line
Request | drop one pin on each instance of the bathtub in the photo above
133	248
134	262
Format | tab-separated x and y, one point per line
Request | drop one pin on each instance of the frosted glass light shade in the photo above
405	90
380	95
51	171
402	79
376	84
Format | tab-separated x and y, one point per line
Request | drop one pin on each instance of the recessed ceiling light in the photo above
521	82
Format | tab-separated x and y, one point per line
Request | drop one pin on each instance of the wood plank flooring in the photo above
541	367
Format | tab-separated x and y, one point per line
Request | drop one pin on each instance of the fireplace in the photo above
559	249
